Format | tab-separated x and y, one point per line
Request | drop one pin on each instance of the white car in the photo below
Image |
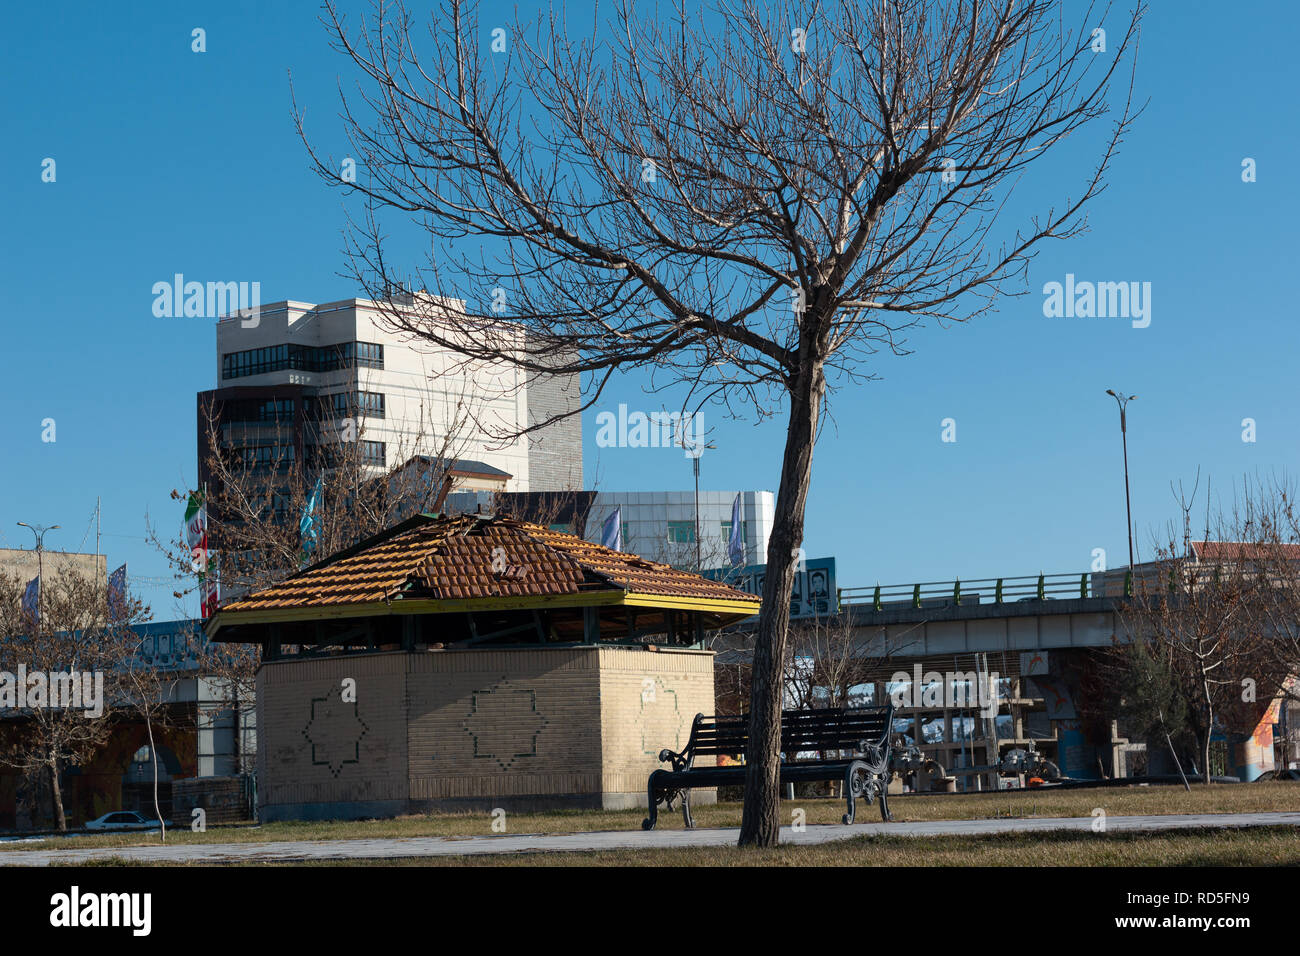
124	820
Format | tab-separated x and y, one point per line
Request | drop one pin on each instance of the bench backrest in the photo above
801	731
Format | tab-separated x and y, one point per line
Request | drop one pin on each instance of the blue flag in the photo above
611	536
117	594
736	545
32	600
307	524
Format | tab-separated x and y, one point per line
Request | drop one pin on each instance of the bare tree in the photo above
260	477
1197	615
751	200
147	691
74	650
831	661
1264	526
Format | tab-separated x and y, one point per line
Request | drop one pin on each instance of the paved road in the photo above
611	840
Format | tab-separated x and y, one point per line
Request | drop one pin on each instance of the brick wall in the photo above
647	703
510	728
319	756
518	729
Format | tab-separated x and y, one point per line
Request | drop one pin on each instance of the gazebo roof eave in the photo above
727	611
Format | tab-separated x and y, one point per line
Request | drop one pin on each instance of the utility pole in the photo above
695	450
39	531
699	564
98	504
1122	402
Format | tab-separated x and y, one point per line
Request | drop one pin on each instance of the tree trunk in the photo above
153	753
761	821
1209	710
56	796
1205	751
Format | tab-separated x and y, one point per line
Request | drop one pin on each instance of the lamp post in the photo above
695	450
1122	402
39	531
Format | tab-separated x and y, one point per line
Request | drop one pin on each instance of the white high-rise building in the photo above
300	375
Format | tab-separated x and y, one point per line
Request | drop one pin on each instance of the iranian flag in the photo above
196	537
196	531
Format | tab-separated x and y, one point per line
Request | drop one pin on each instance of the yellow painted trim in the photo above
716	605
330	612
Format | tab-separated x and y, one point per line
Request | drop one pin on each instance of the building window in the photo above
681	532
351	405
320	456
305	358
257	411
337	454
726	531
260	457
281	509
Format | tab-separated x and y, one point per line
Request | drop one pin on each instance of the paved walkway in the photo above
389	848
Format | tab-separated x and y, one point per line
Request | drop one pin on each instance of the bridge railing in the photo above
1011	590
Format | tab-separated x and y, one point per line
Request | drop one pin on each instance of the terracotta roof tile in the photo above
476	557
1244	551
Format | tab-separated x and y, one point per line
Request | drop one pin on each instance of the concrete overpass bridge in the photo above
939	619
1032	633
1036	634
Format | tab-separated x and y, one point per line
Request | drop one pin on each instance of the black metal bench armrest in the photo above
680	761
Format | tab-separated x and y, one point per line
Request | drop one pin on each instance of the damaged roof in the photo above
434	564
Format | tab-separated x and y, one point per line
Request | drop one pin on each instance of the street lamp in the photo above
39	531
1122	402
695	449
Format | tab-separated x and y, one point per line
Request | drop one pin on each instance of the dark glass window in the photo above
258	410
334	455
305	358
261	457
350	405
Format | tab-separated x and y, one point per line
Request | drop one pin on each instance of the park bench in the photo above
851	745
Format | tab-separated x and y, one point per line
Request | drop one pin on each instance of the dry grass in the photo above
1272	846
1263	846
1225	798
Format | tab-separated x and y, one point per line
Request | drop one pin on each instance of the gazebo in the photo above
474	661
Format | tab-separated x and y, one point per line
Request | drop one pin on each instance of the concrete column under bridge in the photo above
1039	651
1043	651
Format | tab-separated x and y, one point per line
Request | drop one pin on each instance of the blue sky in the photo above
171	161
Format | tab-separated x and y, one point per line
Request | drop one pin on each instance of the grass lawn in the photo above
1221	798
1263	846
